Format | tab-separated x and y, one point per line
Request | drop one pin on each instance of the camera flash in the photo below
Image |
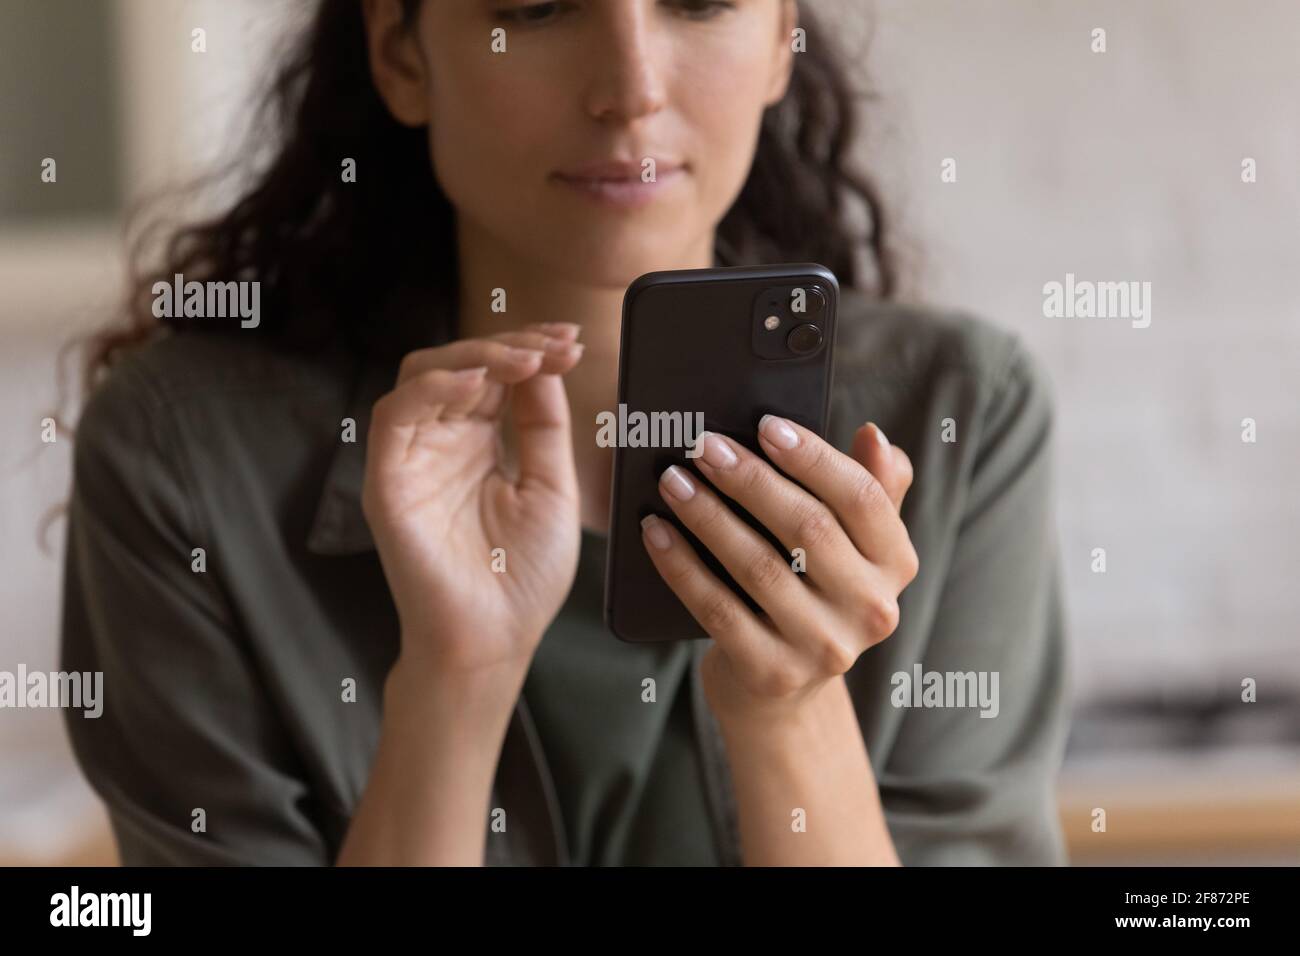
771	322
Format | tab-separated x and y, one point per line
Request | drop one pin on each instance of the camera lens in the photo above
804	339
814	302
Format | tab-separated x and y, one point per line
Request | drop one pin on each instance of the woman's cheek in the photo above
480	151
725	144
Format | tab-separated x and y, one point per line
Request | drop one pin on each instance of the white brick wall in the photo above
1118	166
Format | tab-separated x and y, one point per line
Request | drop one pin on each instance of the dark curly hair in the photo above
315	243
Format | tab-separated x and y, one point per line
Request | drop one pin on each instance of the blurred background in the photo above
1116	166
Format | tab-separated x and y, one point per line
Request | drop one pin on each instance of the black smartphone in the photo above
705	350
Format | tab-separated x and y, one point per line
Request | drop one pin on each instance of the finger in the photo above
395	418
751	644
558	354
761	571
890	465
797	518
849	489
510	357
561	331
893	469
568	331
540	412
502	365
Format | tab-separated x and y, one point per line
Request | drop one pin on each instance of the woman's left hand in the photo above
857	553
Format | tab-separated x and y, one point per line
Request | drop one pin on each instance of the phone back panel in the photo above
687	346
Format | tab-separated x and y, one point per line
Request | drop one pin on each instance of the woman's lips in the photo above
620	185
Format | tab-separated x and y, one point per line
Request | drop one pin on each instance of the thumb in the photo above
539	411
887	463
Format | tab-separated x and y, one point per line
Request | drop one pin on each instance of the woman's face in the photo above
580	84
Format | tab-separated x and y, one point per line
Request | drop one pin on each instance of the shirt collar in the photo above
340	526
408	319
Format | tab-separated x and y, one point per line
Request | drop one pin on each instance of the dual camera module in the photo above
789	321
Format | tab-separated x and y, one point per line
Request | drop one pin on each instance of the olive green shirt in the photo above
243	683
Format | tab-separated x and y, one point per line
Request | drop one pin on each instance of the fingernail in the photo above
716	451
880	436
521	354
778	431
557	345
656	533
678	485
468	373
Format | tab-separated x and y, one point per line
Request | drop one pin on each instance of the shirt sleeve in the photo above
967	789
186	725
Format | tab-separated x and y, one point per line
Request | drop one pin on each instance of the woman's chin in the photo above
615	260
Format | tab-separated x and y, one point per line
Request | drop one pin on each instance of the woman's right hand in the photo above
439	500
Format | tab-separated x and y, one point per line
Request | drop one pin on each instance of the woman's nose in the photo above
627	75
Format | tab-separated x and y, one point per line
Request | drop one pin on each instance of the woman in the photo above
280	536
